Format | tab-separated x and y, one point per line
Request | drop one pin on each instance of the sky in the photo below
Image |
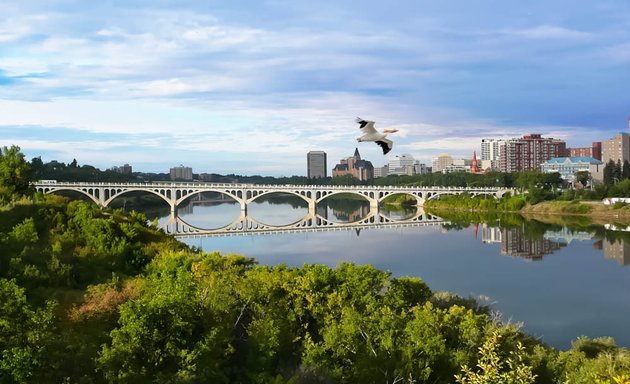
250	87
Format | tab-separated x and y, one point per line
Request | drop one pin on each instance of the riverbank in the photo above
597	212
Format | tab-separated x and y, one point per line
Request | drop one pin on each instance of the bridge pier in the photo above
243	208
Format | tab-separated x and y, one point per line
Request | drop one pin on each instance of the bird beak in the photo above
390	130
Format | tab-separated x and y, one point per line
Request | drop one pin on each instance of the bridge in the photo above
174	193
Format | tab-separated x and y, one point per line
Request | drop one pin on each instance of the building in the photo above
441	162
421	168
316	164
594	151
528	152
616	149
567	167
381	171
355	166
124	169
181	173
401	165
490	152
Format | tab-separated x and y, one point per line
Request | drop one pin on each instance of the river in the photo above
559	283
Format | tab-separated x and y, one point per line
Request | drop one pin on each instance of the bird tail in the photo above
359	120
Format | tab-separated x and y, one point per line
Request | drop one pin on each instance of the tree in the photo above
496	369
625	170
617	171
15	173
582	177
609	173
25	334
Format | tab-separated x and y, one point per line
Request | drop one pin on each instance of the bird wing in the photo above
367	127
386	144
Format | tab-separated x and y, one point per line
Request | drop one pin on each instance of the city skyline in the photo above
249	88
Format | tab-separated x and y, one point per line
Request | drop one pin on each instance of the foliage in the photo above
25	334
15	174
494	368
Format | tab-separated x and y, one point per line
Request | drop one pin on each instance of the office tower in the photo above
316	164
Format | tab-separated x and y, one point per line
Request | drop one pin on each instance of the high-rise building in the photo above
616	149
490	152
441	162
181	173
528	152
316	164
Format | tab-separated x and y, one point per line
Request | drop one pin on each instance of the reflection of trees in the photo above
282	198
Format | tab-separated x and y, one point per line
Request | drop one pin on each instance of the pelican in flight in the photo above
371	134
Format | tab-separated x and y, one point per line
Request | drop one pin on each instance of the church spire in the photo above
473	167
356	153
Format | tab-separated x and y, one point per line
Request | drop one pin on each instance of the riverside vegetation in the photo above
97	296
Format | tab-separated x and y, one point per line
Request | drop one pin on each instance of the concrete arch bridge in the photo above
175	193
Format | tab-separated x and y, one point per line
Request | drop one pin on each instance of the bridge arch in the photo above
85	191
121	192
367	195
255	196
230	193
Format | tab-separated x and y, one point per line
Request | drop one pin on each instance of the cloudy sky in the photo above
249	87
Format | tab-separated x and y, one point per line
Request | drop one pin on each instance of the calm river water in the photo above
559	283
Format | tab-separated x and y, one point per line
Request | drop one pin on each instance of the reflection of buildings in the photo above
618	250
490	234
565	235
353	216
515	243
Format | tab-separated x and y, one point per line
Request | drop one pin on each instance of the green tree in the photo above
582	177
497	369
625	170
15	173
609	173
25	335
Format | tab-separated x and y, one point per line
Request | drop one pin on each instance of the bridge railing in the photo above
195	185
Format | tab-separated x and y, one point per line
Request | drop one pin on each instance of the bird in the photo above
371	134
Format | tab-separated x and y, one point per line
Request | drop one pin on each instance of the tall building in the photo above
355	166
441	162
181	173
616	149
490	152
316	164
528	152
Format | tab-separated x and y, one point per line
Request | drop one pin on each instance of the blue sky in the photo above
249	87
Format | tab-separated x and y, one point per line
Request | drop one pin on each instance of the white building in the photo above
401	165
490	152
568	166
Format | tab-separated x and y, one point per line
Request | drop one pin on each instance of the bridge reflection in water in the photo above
312	222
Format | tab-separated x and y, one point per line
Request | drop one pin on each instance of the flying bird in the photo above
371	134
